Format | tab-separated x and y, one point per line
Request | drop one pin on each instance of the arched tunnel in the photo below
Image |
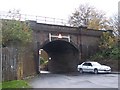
63	55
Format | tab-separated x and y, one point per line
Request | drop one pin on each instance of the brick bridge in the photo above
66	46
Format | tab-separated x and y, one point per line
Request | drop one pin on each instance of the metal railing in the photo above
38	19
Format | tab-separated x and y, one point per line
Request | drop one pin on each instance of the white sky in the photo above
56	8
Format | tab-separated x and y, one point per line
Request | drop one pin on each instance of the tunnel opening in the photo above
63	57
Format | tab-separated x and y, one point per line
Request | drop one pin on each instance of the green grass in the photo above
15	84
0	86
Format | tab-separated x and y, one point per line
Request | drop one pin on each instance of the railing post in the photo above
36	18
45	19
50	37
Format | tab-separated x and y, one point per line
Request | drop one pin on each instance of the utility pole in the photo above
119	18
0	53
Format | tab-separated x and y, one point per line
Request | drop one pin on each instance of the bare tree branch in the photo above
90	17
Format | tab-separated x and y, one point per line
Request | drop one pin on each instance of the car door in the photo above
90	68
85	67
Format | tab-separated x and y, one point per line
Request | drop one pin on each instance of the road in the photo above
86	80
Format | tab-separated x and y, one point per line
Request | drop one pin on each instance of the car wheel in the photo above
80	70
95	71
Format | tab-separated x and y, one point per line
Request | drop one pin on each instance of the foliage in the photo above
115	24
0	32
97	56
109	48
43	61
15	31
88	16
107	41
15	84
0	85
115	53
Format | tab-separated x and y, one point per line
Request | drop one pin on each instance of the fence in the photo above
17	64
9	64
39	19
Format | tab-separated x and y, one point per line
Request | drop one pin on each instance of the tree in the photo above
88	16
115	24
119	17
109	48
107	41
15	32
14	14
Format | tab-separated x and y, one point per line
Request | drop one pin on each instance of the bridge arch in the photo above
63	56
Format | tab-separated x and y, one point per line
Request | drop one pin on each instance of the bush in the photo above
15	31
109	47
97	56
43	61
115	53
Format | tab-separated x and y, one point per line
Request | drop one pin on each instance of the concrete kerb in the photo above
115	72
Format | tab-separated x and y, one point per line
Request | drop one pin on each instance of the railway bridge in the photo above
66	46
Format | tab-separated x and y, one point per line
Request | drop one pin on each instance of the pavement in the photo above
115	72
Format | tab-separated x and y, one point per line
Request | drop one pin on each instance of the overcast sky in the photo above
57	8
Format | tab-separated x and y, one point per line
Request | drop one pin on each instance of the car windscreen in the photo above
87	64
95	64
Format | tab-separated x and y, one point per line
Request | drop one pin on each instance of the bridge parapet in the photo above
65	29
24	17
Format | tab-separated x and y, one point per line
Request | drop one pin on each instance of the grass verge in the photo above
15	84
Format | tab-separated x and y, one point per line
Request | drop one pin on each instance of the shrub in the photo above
15	32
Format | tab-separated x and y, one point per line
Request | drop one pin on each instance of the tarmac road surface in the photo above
86	80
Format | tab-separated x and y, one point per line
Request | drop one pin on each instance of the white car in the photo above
95	67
